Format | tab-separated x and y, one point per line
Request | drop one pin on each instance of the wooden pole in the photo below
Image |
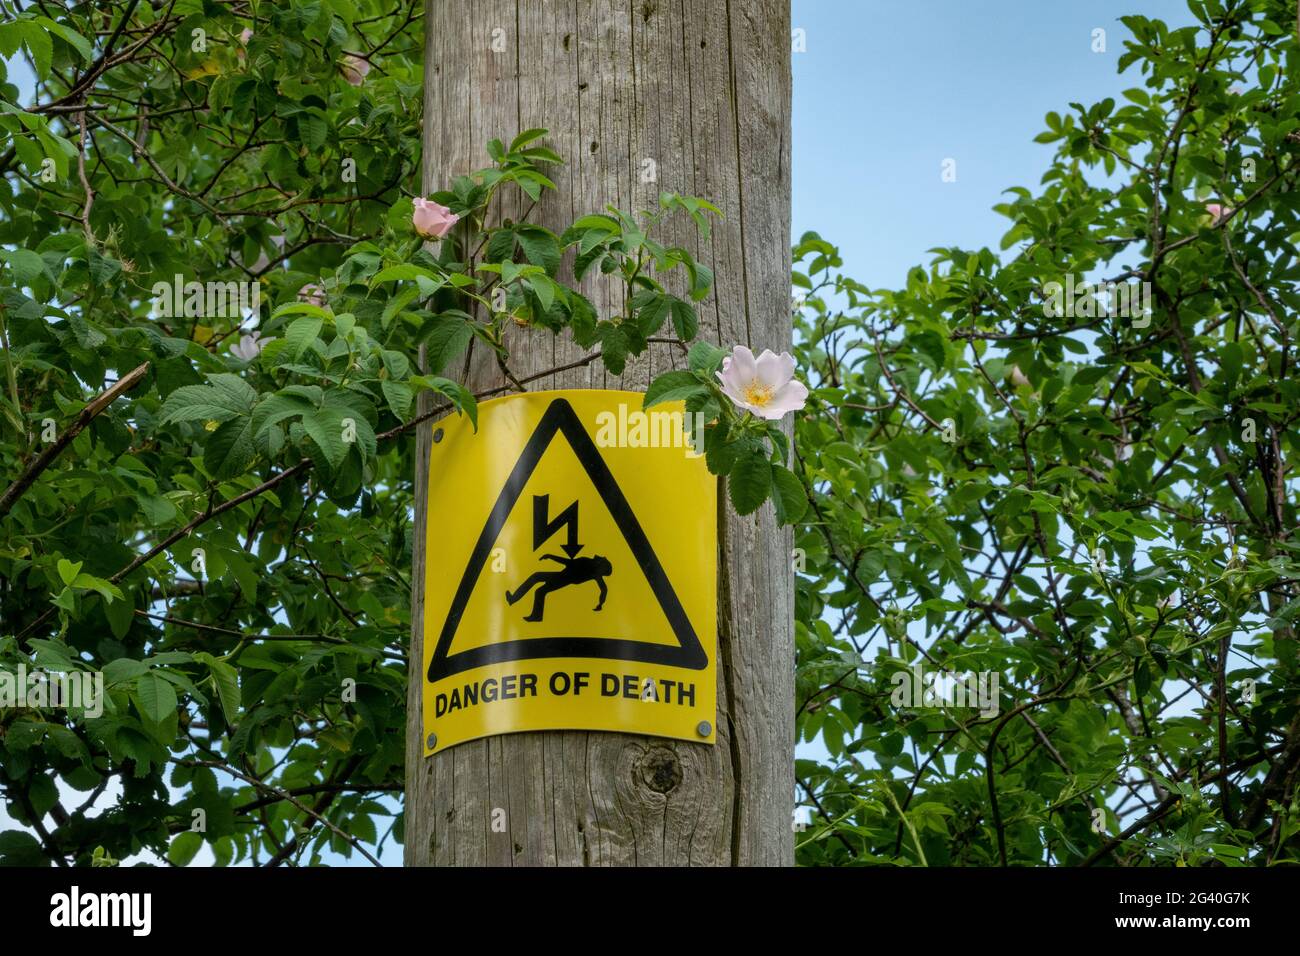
640	96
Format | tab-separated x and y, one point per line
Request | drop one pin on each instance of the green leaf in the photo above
274	409
26	265
120	614
56	148
685	322
72	37
582	319
445	340
88	582
313	129
526	137
53	655
544	289
238	391
40	46
42	794
460	396
705	357
540	247
613	346
652	310
301	308
597	222
398	365
245	574
702	281
103	269
226	681
788	496
672	387
156	697
229	450
542	154
185	846
398	395
501	245
123	669
203	402
325	428
18	848
156	510
749	483
10	38
1230	358
68	570
300	335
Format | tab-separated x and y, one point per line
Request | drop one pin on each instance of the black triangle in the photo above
560	418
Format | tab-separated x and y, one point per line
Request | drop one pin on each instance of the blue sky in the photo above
887	90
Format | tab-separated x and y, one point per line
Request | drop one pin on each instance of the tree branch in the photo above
87	414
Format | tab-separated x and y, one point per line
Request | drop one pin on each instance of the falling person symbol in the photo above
573	571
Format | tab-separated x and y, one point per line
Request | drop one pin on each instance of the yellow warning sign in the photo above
571	572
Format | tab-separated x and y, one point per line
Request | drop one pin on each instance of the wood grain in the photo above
701	89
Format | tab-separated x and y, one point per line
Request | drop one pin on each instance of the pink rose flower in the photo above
764	386
432	220
355	69
249	346
1218	212
312	294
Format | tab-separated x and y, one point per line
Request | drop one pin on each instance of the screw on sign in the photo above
612	591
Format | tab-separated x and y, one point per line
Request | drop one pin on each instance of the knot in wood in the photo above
661	771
